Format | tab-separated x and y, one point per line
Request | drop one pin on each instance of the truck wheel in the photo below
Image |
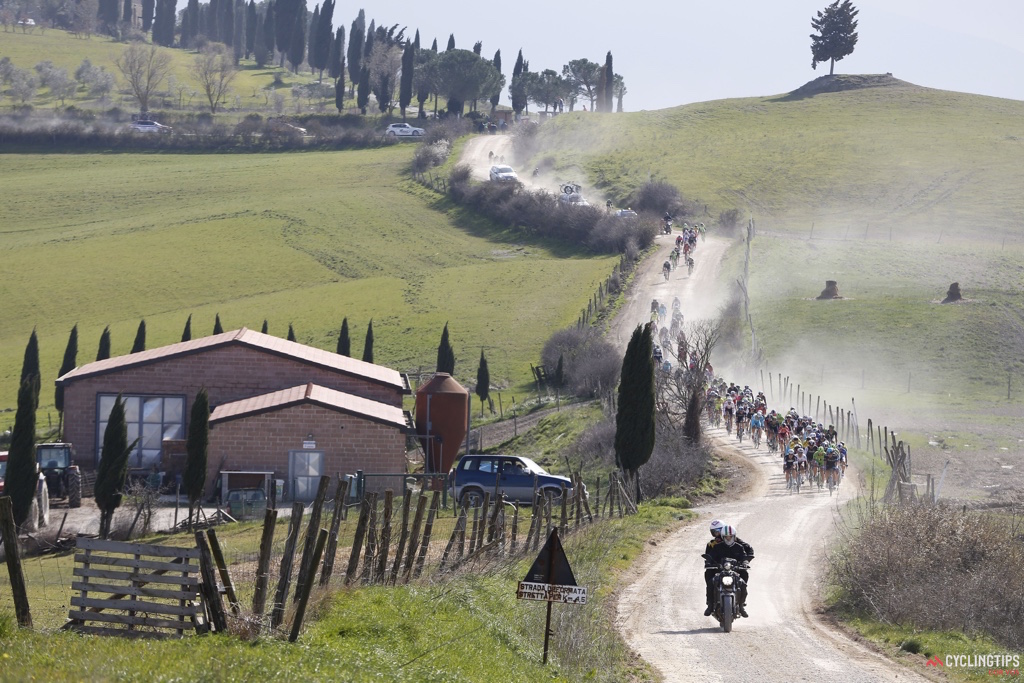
74	487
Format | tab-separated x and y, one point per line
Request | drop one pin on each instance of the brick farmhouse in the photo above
276	407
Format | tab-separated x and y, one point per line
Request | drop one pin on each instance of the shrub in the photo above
590	365
432	155
657	196
459	181
675	463
932	567
729	220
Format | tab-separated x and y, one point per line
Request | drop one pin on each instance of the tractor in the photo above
63	480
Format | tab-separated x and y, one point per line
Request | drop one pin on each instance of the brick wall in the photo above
229	373
262	443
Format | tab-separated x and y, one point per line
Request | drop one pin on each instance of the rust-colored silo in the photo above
442	415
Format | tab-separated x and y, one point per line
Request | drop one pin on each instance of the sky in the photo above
677	52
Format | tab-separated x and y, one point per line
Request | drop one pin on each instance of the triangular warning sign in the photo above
551	565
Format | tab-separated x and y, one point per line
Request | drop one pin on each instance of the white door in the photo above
304	471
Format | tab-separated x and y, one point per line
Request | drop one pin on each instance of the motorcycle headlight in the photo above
726	580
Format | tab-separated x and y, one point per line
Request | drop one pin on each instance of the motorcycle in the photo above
667	226
726	583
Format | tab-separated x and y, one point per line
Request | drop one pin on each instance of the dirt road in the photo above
661	613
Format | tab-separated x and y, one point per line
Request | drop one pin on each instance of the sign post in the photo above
551	579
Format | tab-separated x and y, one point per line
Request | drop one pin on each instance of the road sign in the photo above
570	595
550	580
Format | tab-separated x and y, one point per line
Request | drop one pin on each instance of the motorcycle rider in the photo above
726	545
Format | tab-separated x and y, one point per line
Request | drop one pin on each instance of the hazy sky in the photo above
672	53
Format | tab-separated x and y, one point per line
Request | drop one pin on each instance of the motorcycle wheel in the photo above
727	613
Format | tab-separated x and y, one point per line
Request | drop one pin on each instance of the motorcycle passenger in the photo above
728	545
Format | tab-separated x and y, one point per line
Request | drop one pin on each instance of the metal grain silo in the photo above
442	418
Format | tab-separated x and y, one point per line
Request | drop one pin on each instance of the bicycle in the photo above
689	266
755	436
832	478
728	423
739	430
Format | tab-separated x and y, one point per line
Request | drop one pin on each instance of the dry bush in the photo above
675	463
933	567
459	181
430	155
590	365
657	196
612	234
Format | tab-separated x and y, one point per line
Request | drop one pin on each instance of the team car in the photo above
402	130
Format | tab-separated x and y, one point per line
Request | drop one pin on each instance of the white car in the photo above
625	213
402	130
503	173
146	126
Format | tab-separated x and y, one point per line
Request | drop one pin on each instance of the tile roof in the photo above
316	394
377	374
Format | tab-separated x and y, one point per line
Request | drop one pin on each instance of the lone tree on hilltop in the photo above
836	35
634	421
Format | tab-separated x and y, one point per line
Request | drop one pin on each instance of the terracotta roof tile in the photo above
257	340
313	393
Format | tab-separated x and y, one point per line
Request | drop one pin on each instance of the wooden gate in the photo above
135	590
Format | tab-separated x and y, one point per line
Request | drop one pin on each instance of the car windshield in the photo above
503	169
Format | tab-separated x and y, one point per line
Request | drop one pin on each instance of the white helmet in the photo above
716	527
729	534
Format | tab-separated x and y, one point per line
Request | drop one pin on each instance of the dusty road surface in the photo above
661	615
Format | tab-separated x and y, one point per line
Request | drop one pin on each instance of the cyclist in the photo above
789	468
756	427
689	265
666	268
727	411
832	466
819	465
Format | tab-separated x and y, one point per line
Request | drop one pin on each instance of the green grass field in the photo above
303	238
25	50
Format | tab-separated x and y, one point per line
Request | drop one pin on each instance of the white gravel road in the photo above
661	613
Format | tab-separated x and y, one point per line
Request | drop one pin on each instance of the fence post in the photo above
307	570
259	597
403	538
300	610
427	531
225	576
421	506
209	587
340	491
385	536
357	542
281	596
17	574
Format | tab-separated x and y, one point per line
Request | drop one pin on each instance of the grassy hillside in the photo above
893	190
303	238
895	155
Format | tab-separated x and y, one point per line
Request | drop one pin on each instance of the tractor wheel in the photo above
74	487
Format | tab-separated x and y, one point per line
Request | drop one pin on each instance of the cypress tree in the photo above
269	23
189	24
344	344
148	7
483	381
126	12
339	90
251	26
164	20
30	366
445	354
240	37
297	44
363	91
433	46
496	97
517	89
291	333
405	86
20	480
634	420
356	38
67	365
217	327
609	81
336	61
103	352
195	447
368	346
140	337
266	327
113	469
478	47
186	334
226	22
324	38
451	42
284	25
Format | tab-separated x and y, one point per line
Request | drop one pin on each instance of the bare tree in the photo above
681	394
214	68
144	67
385	64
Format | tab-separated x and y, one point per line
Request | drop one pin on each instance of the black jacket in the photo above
717	550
